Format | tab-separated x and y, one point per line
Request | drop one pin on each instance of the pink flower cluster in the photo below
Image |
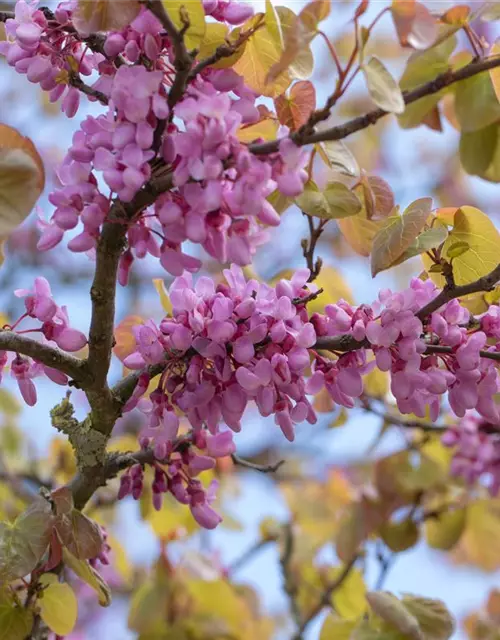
399	340
221	188
179	460
46	50
55	327
477	451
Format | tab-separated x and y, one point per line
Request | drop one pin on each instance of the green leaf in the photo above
420	69
477	149
90	576
390	609
398	234
337	156
428	239
16	622
23	544
383	89
280	202
335	201
147	605
476	104
58	605
444	531
433	617
192	11
400	536
457	249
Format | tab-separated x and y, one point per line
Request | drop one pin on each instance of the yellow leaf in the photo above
92	16
265	129
173	517
473	227
182	12
334	288
58	605
334	628
376	383
349	600
358	230
398	234
483	525
125	339
261	53
90	576
217	35
22	178
219	599
444	531
164	297
123	443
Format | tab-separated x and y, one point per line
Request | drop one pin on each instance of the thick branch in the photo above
342	131
47	355
86	483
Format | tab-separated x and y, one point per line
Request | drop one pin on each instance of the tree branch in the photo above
346	342
485	283
397	421
290	584
47	355
86	482
183	59
341	131
78	83
268	468
326	596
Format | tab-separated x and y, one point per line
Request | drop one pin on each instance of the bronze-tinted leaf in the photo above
398	234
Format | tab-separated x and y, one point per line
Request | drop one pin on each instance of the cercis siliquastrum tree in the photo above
181	151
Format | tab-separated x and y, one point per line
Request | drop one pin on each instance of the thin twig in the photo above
291	588
326	596
400	422
78	83
386	563
247	555
268	468
309	247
